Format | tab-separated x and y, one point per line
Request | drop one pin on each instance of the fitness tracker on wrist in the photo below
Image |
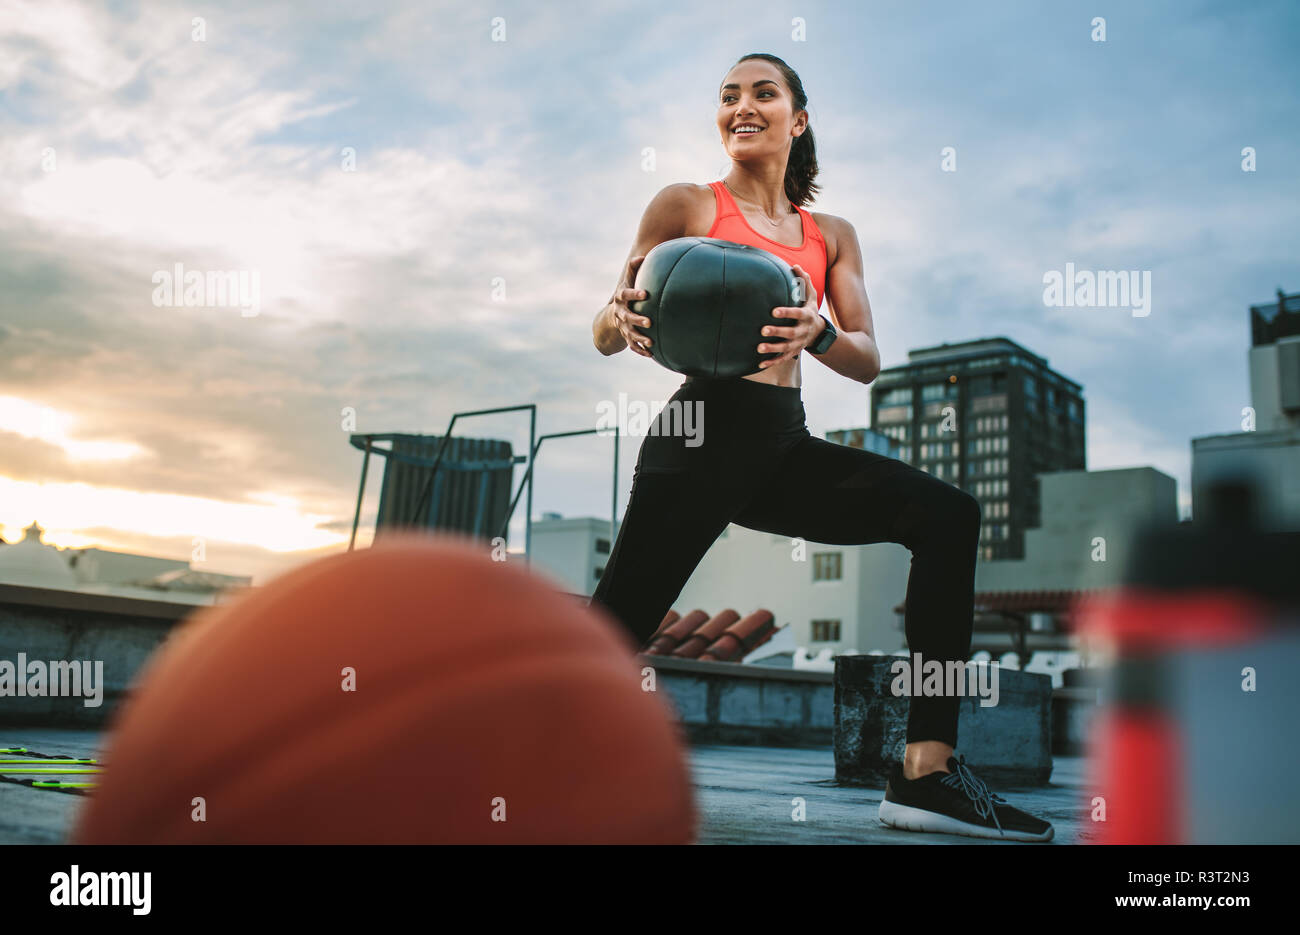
823	343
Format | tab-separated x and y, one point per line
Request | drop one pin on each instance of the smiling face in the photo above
753	95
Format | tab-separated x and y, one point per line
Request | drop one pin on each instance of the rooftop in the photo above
744	796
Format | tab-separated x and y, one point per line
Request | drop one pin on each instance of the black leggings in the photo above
759	467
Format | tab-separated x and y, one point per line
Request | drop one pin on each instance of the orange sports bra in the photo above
731	225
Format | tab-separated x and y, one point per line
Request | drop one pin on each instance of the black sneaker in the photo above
956	803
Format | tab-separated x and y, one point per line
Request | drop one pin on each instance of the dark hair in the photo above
802	167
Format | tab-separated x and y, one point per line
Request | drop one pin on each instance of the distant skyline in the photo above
434	217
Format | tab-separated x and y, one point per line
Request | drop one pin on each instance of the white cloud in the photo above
521	161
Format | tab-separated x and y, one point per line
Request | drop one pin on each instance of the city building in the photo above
832	597
572	552
987	416
1085	540
34	563
1267	450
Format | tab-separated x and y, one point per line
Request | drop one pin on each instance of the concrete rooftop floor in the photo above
744	795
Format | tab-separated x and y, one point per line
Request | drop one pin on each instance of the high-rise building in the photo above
987	416
1267	449
1275	363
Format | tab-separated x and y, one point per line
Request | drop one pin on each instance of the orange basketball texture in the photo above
475	680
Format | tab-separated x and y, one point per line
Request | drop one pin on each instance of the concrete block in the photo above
50	633
732	703
753	703
1008	743
688	694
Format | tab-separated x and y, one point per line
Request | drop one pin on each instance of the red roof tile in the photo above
667	638
742	637
725	637
669	619
697	642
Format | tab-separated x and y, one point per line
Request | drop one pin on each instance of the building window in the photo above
602	546
994	465
825	631
902	396
932	392
827	566
987	403
600	571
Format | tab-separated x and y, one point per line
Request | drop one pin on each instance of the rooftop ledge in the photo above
734	669
161	609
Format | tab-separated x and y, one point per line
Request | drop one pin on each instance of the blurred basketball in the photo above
488	707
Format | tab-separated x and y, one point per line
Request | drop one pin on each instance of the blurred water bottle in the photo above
1196	742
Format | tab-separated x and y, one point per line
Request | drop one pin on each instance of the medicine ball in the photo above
708	301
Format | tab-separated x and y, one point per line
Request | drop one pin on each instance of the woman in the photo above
760	468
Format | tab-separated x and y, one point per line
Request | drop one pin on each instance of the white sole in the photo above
908	818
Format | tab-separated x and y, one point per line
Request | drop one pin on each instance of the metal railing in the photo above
534	446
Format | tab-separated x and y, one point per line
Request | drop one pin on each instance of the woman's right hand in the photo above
626	319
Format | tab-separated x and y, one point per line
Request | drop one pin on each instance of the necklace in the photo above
760	210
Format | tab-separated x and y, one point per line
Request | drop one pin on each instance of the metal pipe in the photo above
528	517
613	509
356	517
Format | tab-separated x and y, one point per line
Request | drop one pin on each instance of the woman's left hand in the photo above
805	326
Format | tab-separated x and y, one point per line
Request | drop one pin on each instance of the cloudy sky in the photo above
435	217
